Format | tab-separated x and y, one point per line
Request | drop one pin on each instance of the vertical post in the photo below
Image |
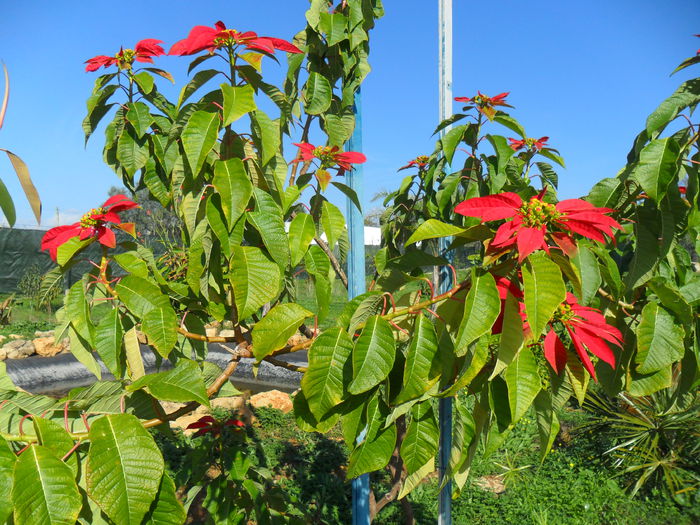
356	286
445	103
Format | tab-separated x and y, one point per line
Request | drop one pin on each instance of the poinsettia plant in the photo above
557	291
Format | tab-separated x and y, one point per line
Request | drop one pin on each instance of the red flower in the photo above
536	144
329	156
209	425
532	222
421	161
589	332
92	225
142	52
485	104
212	38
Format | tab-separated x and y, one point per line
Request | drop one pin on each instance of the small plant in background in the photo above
6	310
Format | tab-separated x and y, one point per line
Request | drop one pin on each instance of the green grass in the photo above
25	319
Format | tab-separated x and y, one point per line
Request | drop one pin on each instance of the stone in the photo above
227	333
3	338
491	483
3	354
16	336
273	399
44	333
211	331
141	337
18	349
45	346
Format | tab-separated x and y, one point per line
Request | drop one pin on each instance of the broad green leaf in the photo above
144	81
69	248
132	152
25	181
328	371
544	291
274	330
687	94
132	263
160	325
332	221
78	310
140	295
232	183
306	421
44	490
301	233
606	193
108	342
335	27
198	138
671	298
509	122
474	361
659	340
82	351
647	384
124	468
657	167
198	80
132	351
417	376
587	266
512	335
415	479
373	355
502	149
6	204
372	455
238	101
481	310
432	229
317	94
153	181
270	226
7	467
139	117
255	279
54	437
451	140
339	127
549	153
268	134
523	383
547	423
182	384
217	223
349	193
166	509
421	441
578	377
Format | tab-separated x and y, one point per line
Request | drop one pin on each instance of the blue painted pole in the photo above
356	286
444	280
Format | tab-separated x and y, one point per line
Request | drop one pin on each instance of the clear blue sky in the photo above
586	74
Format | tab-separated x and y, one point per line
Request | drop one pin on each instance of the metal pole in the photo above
445	103
356	286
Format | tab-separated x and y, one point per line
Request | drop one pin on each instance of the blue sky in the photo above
586	74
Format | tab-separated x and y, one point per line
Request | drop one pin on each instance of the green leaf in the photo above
144	81
238	101
339	127
373	355
372	455
317	94
274	330
108	342
132	350
182	384
647	384
481	310
7	467
657	167
333	222
270	226
54	437
547	423
198	80
503	151
544	291
140	295
606	193
551	155
335	27
432	229
328	371
139	117
588	269
160	325
506	120
6	204
232	183
512	334
301	233
421	441
124	468
132	153
166	509
268	134
577	375
451	140
44	490
523	383
687	94
659	340
417	375
198	138
82	351
255	279
78	310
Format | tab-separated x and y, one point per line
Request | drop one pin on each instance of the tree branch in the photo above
334	261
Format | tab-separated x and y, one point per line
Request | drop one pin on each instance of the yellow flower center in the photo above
326	155
422	159
88	220
563	313
125	58
537	213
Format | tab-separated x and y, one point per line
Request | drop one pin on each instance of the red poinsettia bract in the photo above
529	143
209	425
94	224
485	104
535	221
207	38
329	156
420	162
144	51
589	332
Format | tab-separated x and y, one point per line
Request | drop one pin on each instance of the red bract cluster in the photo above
536	144
589	332
535	222
207	38
94	224
421	161
144	51
329	156
209	425
485	104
